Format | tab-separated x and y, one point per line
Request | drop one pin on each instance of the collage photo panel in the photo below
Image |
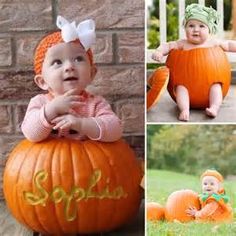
190	118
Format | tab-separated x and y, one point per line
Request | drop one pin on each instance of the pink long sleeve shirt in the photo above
36	128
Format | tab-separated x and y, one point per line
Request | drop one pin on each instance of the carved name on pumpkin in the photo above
58	194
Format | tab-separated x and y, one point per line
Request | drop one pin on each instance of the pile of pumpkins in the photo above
175	209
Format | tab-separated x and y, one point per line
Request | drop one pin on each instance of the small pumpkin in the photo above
157	84
197	69
177	204
62	186
155	211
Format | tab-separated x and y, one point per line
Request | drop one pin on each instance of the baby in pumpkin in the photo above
214	203
64	67
197	63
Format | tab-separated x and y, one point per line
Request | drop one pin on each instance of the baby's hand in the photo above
157	56
191	211
63	104
66	122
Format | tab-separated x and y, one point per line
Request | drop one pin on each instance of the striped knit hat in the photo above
84	35
213	173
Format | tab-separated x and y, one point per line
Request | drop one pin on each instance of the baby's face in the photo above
210	185
196	32
66	66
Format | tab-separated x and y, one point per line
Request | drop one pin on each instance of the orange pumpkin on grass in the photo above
61	186
157	83
177	204
197	69
155	211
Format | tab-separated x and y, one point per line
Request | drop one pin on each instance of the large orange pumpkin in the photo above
177	204
155	211
197	69
157	83
63	186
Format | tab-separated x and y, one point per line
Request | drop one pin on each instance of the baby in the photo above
200	24
214	202
64	67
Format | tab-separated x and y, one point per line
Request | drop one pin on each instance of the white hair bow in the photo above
85	31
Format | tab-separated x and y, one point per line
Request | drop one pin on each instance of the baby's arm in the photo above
62	104
205	212
228	45
35	126
165	48
85	126
108	122
104	125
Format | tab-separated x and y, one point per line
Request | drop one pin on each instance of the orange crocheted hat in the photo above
213	173
47	42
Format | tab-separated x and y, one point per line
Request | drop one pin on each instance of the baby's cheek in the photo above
88	74
85	70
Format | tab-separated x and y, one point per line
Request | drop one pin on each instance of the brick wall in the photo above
119	54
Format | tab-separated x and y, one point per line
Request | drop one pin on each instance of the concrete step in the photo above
166	110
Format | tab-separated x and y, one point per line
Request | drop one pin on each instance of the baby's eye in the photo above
190	26
202	26
205	183
79	58
56	62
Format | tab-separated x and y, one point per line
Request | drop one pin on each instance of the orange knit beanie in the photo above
213	173
47	42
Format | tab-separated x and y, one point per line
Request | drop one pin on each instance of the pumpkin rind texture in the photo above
197	69
158	83
155	211
177	204
62	186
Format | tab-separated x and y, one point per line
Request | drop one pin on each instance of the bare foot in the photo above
212	111
184	115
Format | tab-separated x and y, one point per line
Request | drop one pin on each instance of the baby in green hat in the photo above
200	24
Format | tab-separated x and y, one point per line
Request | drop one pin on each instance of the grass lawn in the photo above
160	184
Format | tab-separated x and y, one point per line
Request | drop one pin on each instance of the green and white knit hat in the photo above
207	15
